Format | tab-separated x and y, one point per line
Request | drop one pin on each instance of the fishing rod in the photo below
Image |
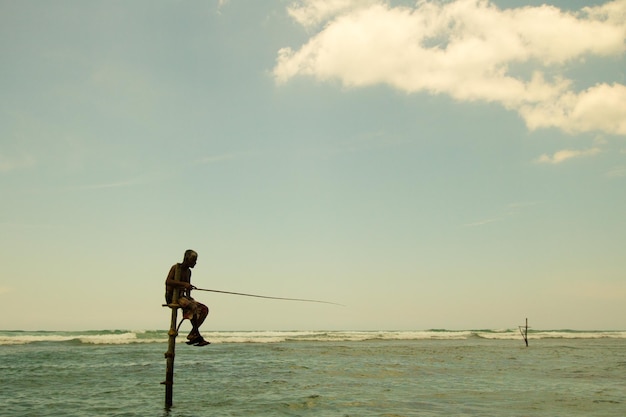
265	296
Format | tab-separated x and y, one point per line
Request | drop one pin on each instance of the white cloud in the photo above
599	108
312	12
564	155
468	49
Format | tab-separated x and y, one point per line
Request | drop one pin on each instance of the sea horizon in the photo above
127	336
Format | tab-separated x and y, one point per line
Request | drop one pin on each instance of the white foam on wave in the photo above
499	335
25	339
144	337
332	336
578	335
258	336
95	339
108	339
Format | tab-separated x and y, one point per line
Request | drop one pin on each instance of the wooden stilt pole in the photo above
171	351
524	332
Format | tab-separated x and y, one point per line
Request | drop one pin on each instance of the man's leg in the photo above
202	312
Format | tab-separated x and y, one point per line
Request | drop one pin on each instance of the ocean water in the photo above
420	373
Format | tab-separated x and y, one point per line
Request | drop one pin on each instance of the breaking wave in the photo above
122	337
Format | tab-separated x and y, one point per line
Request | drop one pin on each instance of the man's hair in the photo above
190	253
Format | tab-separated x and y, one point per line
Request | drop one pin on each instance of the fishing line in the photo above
265	296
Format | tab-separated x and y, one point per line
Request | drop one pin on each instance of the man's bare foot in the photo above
202	343
197	339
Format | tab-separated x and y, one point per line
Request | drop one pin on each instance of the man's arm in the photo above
171	282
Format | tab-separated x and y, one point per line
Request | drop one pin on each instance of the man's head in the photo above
190	258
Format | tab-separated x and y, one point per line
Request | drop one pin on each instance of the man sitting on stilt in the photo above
180	276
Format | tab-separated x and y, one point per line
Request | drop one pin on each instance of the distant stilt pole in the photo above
524	332
171	351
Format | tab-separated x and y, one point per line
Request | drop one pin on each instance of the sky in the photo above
428	164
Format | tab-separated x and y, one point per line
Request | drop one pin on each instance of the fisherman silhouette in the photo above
180	277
